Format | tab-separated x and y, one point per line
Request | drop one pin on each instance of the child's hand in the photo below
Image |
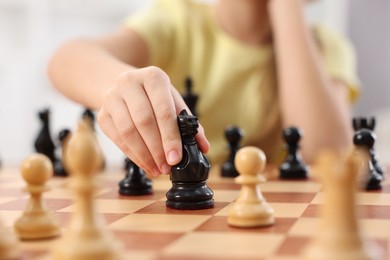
140	115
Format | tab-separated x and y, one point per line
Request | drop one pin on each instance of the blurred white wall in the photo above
30	30
369	30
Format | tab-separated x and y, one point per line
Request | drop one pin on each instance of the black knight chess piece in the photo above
189	189
369	123
44	143
135	183
233	135
293	167
365	138
189	97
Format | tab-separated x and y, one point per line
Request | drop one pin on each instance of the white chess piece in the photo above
9	244
86	237
339	237
36	222
250	209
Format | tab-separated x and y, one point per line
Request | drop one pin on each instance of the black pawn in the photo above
365	138
369	123
135	183
233	135
44	143
189	189
293	166
363	122
189	97
89	117
59	168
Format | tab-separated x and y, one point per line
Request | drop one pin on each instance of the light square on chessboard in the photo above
159	223
281	258
372	228
140	255
51	204
373	231
281	210
362	198
59	192
378	228
12	192
8	173
5	199
114	206
363	211
290	186
14	183
9	217
134	254
225	245
304	227
219	224
148	241
225	195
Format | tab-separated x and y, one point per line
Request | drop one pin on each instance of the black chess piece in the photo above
189	189
233	135
365	138
293	167
363	122
135	183
44	143
189	97
59	167
369	123
89	117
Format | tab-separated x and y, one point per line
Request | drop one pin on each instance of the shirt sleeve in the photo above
154	25
339	58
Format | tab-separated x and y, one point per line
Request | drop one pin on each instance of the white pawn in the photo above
250	209
339	236
86	237
36	221
9	244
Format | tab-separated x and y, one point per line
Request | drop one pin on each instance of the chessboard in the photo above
149	230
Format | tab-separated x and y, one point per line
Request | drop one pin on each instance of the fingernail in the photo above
173	157
165	168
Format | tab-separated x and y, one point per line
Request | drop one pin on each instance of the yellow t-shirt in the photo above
236	83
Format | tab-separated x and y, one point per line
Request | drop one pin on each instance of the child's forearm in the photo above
309	98
83	71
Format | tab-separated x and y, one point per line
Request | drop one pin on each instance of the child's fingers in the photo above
119	126
158	89
144	120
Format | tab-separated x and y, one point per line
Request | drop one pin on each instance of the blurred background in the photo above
31	30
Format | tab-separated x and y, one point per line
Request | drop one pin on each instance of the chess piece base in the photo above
184	195
228	170
91	248
250	215
8	245
293	172
347	248
37	226
374	183
140	187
